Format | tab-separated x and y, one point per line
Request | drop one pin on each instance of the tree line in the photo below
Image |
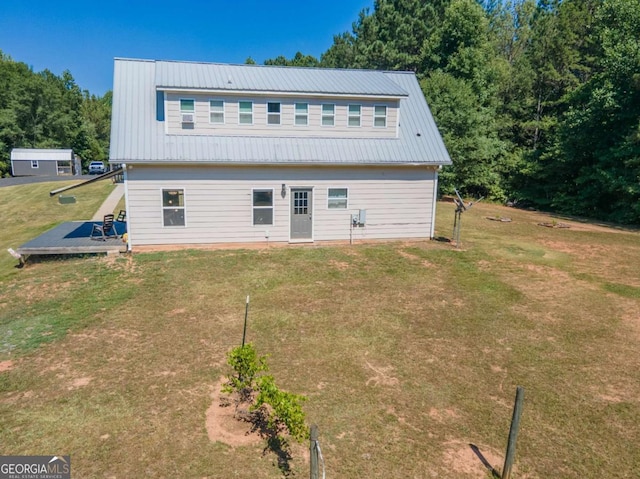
43	110
538	101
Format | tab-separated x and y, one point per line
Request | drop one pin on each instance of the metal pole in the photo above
456	228
313	452
246	313
513	434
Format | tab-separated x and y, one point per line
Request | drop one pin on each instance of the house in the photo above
218	153
43	162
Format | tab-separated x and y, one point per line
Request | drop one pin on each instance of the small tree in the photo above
246	365
281	410
285	410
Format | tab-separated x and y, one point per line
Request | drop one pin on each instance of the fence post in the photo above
313	450
513	434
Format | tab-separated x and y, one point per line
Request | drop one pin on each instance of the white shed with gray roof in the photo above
245	153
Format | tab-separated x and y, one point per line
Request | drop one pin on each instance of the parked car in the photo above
96	168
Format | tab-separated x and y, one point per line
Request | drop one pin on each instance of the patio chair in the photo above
122	216
105	229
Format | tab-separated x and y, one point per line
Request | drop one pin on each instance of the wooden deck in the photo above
74	238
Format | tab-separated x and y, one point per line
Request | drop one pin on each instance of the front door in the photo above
301	213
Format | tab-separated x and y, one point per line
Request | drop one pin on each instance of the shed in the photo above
43	162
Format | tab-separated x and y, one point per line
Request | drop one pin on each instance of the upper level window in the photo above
337	198
245	112
187	106
354	115
216	111
302	114
262	207
173	207
380	116
187	110
328	114
273	113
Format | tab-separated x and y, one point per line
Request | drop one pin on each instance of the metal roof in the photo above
138	137
41	154
215	76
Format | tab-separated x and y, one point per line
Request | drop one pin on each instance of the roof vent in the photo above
229	81
418	134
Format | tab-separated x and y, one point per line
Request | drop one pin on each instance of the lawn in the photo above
407	352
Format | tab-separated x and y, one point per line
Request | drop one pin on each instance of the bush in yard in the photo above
280	410
246	364
285	411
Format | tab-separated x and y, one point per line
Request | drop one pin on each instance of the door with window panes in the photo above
301	213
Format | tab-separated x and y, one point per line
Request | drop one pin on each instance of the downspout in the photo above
435	197
126	204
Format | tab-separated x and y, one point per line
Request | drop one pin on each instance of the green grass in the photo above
27	211
408	352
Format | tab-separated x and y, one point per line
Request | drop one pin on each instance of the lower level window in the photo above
262	207
337	198
173	207
34	164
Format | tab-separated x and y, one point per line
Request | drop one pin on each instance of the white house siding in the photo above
287	127
398	200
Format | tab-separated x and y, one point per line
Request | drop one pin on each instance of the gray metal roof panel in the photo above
41	153
137	136
216	76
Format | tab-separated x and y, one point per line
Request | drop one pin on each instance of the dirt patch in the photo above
6	365
471	461
339	265
441	415
382	376
223	426
80	382
410	256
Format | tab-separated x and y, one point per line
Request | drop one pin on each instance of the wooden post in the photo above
513	434
246	313
313	450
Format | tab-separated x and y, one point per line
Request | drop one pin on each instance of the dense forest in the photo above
43	110
538	100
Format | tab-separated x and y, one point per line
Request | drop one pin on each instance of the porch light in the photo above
284	190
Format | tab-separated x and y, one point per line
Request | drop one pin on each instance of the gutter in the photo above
92	180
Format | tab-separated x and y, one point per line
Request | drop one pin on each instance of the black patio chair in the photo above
122	216
105	229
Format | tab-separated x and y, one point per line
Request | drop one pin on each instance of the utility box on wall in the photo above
363	217
360	218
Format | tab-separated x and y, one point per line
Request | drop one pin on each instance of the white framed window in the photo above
273	113
173	207
337	198
216	112
245	113
354	114
380	116
35	164
187	110
301	114
328	114
262	206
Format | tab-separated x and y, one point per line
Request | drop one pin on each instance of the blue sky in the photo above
85	36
